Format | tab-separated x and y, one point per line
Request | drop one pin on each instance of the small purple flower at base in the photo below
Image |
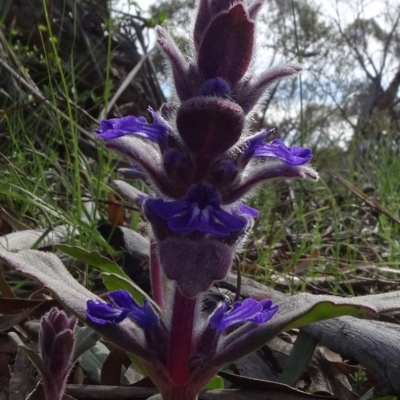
130	125
125	306
56	345
199	211
249	310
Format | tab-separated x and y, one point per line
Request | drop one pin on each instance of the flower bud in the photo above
209	126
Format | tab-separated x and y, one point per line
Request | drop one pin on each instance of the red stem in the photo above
52	391
180	393
180	346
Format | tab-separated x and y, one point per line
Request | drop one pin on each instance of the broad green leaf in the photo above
115	282
325	310
293	312
85	338
215	383
93	258
48	269
370	395
92	360
300	310
299	358
113	276
136	362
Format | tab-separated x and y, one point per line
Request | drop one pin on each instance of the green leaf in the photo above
151	22
85	338
325	310
215	383
136	362
52	274
93	258
92	360
299	358
113	276
115	282
370	395
300	310
162	17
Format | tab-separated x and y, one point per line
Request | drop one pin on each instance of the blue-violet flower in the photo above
125	306
130	125
249	310
276	149
199	211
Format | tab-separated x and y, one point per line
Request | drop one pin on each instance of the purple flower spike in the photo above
290	155
125	306
199	211
249	310
227	46
117	127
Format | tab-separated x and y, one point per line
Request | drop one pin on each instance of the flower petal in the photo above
245	209
103	313
125	306
130	125
167	209
231	221
289	155
249	310
144	316
199	211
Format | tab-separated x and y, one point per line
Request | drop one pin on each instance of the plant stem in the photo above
179	393
156	277
52	392
180	346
